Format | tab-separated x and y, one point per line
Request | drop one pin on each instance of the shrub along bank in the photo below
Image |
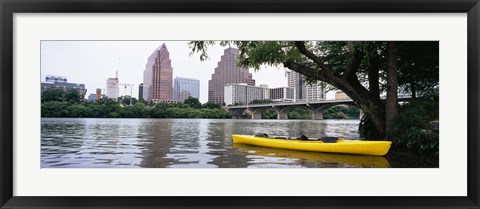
415	128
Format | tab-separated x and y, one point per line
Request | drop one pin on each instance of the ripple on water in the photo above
175	143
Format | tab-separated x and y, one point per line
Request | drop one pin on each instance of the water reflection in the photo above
279	157
191	150
184	143
157	141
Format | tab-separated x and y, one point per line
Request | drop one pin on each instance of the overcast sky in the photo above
92	62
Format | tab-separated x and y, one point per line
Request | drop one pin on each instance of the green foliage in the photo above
299	113
261	101
54	109
269	114
108	108
57	95
367	131
193	102
419	67
341	112
211	105
413	129
73	96
126	100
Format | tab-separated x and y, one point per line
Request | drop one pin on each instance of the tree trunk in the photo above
392	83
373	77
413	89
348	83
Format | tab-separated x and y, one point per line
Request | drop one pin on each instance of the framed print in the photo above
264	104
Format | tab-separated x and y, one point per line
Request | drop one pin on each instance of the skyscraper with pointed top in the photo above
227	72
157	77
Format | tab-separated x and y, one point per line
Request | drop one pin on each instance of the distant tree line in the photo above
59	103
341	112
335	112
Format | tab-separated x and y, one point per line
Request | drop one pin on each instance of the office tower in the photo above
157	77
227	71
112	88
186	87
98	94
303	90
140	91
315	92
59	82
297	82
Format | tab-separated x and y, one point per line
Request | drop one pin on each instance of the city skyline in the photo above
92	62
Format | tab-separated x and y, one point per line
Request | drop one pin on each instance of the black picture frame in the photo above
10	7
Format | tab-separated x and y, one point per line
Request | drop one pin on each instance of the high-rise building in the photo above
315	92
266	91
297	82
157	77
303	90
186	87
242	94
98	94
282	94
227	71
140	91
112	88
58	82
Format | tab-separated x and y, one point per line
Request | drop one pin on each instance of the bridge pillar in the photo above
282	112
282	115
318	114
257	114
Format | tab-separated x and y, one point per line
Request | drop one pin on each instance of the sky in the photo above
93	62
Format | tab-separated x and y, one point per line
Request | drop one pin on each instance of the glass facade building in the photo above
185	87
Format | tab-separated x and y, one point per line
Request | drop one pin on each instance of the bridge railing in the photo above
306	102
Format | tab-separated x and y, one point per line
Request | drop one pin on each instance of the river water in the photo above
188	143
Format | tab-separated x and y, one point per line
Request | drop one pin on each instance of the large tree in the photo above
363	70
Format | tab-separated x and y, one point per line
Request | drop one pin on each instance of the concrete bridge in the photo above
316	108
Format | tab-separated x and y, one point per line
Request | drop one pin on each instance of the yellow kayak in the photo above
377	148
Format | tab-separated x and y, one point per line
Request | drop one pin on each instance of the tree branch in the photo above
354	62
304	70
332	79
301	47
